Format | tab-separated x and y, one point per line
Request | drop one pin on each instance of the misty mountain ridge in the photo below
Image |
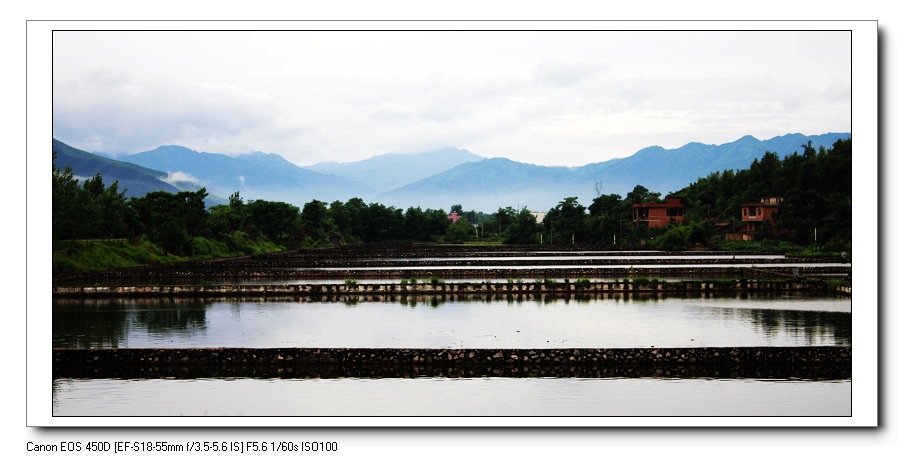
255	176
493	183
390	171
435	179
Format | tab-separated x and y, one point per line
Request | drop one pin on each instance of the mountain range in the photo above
436	179
137	180
390	171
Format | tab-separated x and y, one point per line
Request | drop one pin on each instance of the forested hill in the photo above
489	184
815	185
139	180
256	175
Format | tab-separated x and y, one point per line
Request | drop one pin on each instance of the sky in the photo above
542	97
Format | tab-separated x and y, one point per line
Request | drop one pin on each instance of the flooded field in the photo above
458	321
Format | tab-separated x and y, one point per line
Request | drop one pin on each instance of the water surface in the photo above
435	322
540	397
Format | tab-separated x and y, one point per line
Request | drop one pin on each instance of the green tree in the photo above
89	210
674	238
523	230
609	220
66	203
566	221
274	219
459	232
160	215
641	195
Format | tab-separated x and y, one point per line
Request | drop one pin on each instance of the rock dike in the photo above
826	362
440	288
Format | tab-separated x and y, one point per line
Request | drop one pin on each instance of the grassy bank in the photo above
785	248
78	256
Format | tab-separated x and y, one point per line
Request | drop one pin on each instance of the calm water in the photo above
427	321
452	397
431	322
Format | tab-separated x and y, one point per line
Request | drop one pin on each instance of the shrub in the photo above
62	265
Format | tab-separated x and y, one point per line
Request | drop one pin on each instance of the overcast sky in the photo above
549	98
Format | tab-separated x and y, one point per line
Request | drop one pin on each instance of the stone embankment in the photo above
200	273
397	261
828	362
487	287
501	263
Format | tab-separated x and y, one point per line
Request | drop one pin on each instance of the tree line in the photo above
816	209
816	187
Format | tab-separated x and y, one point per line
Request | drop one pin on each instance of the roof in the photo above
659	205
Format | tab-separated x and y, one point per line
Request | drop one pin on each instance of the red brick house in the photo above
754	216
454	217
659	214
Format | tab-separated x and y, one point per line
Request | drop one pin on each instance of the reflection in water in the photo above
808	327
109	323
457	321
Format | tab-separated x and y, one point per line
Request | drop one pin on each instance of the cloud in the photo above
118	112
390	112
346	96
177	177
569	74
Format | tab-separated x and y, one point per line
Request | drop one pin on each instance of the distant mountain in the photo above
667	170
390	171
137	180
255	176
435	179
493	183
485	186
